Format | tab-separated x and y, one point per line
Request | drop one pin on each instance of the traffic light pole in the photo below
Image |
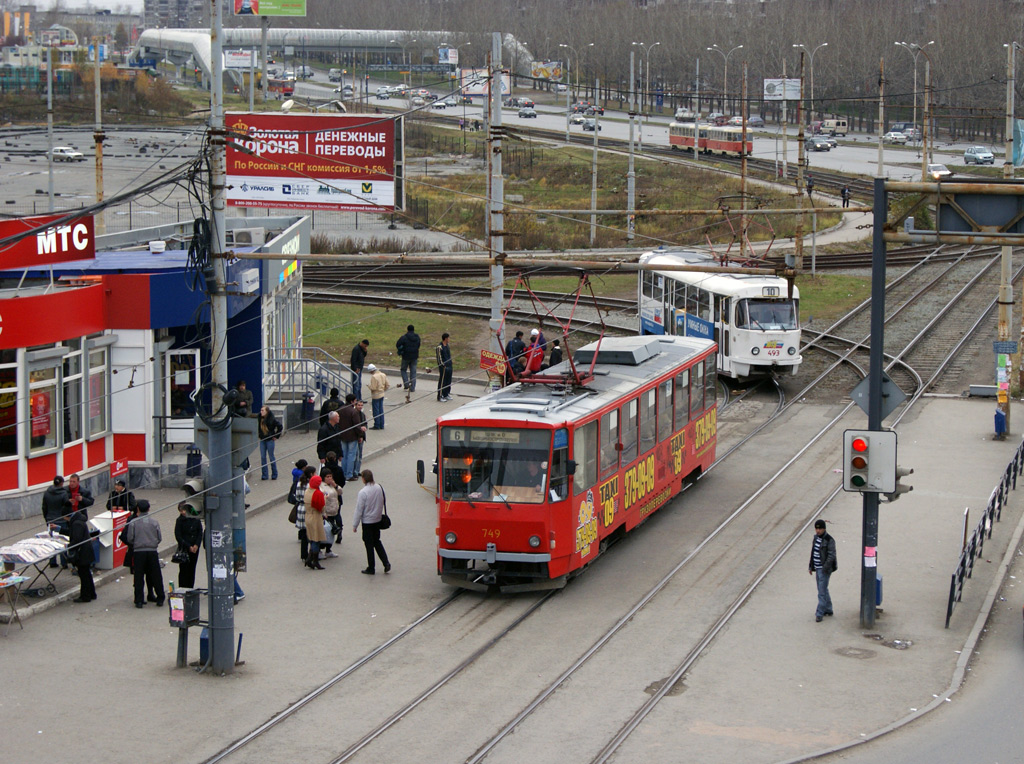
869	523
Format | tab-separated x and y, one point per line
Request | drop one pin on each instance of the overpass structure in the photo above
192	46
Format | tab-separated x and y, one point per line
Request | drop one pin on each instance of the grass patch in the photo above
827	297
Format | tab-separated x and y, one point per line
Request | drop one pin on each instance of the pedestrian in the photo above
556	353
356	362
348	437
845	194
300	509
443	354
537	335
822	566
331	404
534	356
79	497
360	418
514	354
408	346
332	512
314	500
143	533
810	185
243	404
370	506
54	497
269	432
378	386
328	437
188	532
121	499
81	554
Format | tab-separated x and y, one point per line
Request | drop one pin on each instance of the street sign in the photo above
892	396
1005	346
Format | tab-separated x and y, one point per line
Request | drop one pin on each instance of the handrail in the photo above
291	373
975	544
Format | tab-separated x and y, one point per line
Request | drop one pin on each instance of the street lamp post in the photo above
913	49
405	62
725	78
577	72
810	53
647	81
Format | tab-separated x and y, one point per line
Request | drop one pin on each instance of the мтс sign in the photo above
42	244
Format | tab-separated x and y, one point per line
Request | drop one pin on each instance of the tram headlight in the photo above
535	541
792	350
755	350
450	538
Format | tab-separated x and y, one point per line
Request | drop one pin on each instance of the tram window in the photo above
584	451
664	409
558	476
609	443
726	310
486	464
630	415
682	399
680	302
697	390
710	380
766	315
648	419
692	300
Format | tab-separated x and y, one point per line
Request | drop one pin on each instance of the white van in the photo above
837	126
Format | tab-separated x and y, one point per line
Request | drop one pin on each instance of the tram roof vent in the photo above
621	351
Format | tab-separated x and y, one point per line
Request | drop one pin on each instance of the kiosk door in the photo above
181	375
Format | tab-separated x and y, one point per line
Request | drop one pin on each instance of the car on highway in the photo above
978	155
832	142
895	137
334	75
383	93
67	154
439	104
304	72
560	88
595	109
417	101
450	102
753	121
580	107
938	172
818	143
577	119
345	90
913	133
591	125
685	115
527	113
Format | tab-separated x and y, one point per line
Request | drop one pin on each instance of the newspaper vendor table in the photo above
36	553
10	589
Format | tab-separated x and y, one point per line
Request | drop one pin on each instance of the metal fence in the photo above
290	373
974	545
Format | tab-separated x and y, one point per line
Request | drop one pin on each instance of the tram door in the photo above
722	307
181	378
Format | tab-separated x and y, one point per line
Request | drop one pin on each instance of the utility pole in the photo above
881	115
743	160
98	137
593	173
799	233
927	115
1006	259
219	500
696	119
252	79
785	126
264	52
496	197
49	122
631	174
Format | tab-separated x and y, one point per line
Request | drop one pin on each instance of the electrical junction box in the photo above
249	281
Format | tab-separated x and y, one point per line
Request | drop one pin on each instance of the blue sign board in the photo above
692	326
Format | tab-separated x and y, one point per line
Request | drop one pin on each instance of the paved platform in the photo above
115	657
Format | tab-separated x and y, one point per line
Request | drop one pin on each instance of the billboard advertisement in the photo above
311	161
474	82
547	70
240	59
270	7
449	56
782	89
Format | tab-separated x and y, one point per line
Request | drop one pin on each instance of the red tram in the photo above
534	480
710	139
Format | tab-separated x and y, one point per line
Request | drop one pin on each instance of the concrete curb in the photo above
959	671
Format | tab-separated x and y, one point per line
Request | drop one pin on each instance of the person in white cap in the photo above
378	386
538	336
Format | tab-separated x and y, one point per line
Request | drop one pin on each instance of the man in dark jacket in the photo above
351	432
81	553
79	497
54	499
143	533
121	499
556	353
443	355
408	346
243	404
328	437
356	362
331	404
822	565
514	353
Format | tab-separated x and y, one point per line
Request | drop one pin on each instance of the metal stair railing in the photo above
289	373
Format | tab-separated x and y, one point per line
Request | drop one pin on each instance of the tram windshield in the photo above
495	464
766	315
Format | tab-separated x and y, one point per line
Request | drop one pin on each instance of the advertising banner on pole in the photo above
240	59
311	161
63	243
270	7
778	89
547	70
474	82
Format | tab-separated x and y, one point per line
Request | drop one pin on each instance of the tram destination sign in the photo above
64	241
312	161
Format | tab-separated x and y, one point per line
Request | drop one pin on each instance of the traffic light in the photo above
194	497
901	472
869	461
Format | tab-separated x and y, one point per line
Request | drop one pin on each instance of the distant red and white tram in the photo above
710	139
535	479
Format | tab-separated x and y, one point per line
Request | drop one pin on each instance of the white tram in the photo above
754	319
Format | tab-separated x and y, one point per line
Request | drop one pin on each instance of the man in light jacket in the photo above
369	510
378	386
143	533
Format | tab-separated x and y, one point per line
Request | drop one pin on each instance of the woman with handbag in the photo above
315	534
371	509
301	484
332	512
188	532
